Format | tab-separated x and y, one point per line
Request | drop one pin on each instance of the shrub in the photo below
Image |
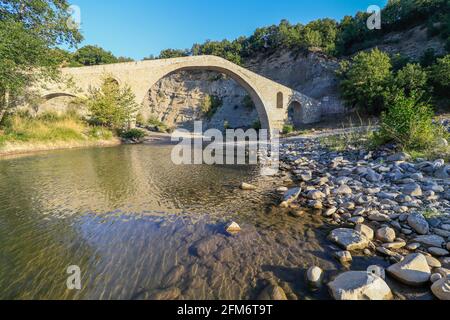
365	79
413	80
408	123
288	128
133	134
210	105
157	125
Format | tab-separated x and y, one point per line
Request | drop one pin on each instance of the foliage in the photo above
428	58
29	32
133	134
158	125
440	76
408	123
288	128
93	55
364	80
412	80
257	125
172	53
111	106
210	104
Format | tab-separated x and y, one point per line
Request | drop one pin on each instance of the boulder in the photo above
386	235
349	239
413	270
418	223
315	195
441	289
359	285
412	189
365	231
344	190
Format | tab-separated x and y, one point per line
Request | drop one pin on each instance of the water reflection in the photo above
138	225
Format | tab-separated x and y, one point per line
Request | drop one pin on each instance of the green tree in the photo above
112	106
171	53
412	80
364	80
440	76
30	30
93	55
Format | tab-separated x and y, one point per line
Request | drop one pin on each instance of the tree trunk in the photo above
4	103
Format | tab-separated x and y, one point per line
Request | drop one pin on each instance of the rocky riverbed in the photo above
378	204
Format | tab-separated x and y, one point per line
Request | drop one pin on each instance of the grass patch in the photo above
49	127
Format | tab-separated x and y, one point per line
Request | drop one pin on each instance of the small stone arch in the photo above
296	114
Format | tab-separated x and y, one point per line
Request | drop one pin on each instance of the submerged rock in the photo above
272	292
247	187
233	228
413	270
359	285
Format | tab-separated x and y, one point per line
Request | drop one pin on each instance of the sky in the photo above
139	28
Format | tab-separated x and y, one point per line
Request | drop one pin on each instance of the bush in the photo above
365	79
288	128
408	123
440	76
157	125
412	80
210	105
133	134
257	125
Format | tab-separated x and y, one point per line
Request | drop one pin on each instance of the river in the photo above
136	225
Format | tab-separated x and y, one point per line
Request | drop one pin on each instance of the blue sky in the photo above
138	28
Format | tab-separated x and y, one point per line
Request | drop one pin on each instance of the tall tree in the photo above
30	30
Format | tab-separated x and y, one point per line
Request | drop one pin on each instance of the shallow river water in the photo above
140	227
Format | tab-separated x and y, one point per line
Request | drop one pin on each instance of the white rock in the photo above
365	231
356	285
314	275
247	187
386	235
349	239
441	289
344	190
233	228
413	270
344	256
315	195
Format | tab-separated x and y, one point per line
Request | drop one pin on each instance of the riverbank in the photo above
378	204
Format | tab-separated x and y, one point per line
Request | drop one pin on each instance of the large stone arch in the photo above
253	93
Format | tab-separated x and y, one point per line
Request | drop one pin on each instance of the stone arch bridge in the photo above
272	100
